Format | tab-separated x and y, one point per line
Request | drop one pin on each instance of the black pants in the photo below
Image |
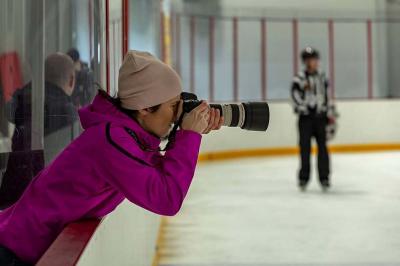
8	258
313	126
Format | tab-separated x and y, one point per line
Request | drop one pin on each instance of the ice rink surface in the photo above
250	212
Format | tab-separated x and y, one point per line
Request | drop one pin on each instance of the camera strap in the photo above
172	135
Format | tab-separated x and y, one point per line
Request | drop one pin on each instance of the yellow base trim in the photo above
285	151
365	147
159	243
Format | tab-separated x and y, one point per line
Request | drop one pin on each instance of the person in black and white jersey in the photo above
309	93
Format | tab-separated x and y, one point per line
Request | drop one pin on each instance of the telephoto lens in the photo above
252	116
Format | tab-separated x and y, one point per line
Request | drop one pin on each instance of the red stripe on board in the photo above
235	60
192	53
263	59
68	247
295	26
331	44
211	57
178	44
114	57
125	27
90	30
370	60
108	44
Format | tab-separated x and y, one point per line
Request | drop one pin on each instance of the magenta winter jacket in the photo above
94	174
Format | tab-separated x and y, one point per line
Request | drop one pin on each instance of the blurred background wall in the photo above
249	50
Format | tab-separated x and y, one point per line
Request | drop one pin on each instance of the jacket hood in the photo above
102	111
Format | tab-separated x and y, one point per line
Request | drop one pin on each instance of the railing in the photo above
70	244
255	58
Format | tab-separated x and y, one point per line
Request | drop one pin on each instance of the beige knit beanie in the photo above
144	81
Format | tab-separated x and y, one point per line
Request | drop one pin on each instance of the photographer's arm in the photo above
160	187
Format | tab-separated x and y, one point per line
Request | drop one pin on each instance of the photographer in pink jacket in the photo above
116	157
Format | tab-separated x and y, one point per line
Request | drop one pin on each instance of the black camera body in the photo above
252	116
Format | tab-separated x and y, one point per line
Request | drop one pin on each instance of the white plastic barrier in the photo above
360	122
127	236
